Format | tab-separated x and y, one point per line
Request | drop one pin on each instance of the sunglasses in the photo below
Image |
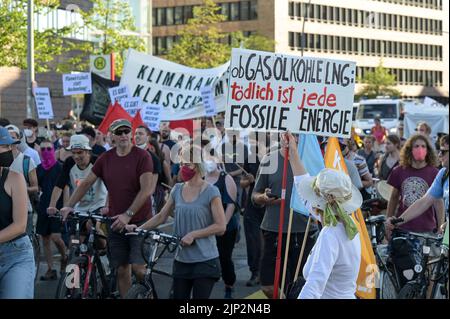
48	149
121	132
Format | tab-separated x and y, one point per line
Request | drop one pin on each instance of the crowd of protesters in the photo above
141	177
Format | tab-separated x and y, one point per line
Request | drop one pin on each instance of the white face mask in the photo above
210	166
142	146
28	132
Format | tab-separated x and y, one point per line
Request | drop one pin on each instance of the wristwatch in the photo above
129	213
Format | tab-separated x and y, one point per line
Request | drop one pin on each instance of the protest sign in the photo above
174	87
131	105
277	92
119	93
43	103
151	115
79	83
208	101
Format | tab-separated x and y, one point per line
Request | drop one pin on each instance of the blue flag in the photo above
311	156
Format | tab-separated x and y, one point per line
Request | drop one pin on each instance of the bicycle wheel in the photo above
387	287
67	288
410	290
139	291
440	289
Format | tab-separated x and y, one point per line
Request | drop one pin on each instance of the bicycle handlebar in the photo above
435	238
395	220
155	235
91	215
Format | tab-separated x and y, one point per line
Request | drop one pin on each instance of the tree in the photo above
48	44
200	41
378	83
253	42
201	44
113	27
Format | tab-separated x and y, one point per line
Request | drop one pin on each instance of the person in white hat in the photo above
332	267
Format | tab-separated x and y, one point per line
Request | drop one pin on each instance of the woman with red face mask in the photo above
411	180
198	217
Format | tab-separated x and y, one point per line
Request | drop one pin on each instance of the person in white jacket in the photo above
332	267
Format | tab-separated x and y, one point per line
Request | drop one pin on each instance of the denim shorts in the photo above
17	269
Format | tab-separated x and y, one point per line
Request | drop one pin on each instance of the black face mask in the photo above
6	159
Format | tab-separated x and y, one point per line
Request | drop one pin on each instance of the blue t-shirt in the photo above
440	190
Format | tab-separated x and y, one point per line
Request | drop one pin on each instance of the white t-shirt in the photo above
17	166
33	154
332	267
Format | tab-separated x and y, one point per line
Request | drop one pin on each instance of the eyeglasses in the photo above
442	152
121	132
48	149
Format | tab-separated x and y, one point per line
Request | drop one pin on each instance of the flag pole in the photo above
280	226
302	251
286	253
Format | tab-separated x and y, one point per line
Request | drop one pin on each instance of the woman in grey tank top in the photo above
198	217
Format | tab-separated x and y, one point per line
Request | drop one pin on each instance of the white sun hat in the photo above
330	184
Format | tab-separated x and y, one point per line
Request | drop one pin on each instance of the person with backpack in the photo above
225	243
390	159
438	190
25	165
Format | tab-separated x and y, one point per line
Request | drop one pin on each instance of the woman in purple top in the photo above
411	180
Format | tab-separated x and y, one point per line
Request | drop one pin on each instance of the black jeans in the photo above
225	245
201	288
253	239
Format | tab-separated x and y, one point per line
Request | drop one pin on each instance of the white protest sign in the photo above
78	83
119	93
173	86
101	65
151	115
277	92
43	103
208	101
131	105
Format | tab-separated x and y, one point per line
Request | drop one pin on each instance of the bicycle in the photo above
417	288
146	288
388	284
85	275
440	278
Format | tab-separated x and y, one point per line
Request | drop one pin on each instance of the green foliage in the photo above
201	44
113	26
49	44
378	83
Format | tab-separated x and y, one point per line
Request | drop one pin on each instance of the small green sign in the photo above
100	63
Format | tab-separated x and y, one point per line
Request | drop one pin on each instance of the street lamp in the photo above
30	59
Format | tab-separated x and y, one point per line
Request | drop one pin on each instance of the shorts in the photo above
125	250
205	269
269	255
46	225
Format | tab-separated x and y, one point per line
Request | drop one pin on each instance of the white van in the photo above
388	110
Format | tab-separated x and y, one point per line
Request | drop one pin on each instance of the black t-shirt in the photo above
158	168
46	181
37	141
64	177
97	149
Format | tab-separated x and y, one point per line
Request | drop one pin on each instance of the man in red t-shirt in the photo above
126	171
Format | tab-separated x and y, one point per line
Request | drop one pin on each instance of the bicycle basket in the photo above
406	254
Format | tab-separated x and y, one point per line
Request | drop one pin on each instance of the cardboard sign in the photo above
79	83
208	101
173	86
131	105
43	103
277	92
119	93
151	115
101	65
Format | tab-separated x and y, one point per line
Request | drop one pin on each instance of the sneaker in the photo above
253	281
228	293
49	275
